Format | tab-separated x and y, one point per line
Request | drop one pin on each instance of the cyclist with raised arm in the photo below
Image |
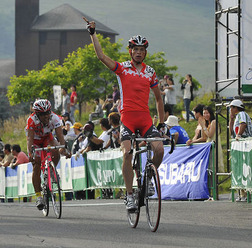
135	80
39	127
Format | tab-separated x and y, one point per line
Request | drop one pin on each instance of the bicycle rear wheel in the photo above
133	218
45	210
153	200
55	191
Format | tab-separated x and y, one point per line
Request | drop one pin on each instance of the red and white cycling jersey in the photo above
135	86
42	132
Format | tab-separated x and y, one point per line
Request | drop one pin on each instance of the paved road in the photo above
102	223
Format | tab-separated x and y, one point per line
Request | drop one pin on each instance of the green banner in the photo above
104	169
241	164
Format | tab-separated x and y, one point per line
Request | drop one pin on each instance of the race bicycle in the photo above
51	181
145	177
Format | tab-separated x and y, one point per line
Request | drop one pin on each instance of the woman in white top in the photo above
188	86
169	92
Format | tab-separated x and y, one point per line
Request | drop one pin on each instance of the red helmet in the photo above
138	40
42	106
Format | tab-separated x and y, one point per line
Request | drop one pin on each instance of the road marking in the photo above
91	204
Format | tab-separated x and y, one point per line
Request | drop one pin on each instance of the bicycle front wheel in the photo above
153	199
55	191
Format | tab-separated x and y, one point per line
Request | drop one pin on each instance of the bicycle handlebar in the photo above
152	139
47	148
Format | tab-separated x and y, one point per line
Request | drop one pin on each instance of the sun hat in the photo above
237	103
77	125
172	121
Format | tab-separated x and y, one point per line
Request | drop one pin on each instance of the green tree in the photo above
36	84
81	68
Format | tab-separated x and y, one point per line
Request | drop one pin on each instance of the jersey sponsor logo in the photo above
126	64
150	70
124	131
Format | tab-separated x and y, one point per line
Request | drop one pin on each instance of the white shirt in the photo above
105	137
70	134
170	95
187	92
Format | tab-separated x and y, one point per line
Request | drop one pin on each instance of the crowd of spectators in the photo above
82	138
12	156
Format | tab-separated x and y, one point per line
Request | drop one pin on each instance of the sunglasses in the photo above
44	113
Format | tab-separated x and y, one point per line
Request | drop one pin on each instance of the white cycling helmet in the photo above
42	106
138	40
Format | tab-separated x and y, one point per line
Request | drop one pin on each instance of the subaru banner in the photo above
183	174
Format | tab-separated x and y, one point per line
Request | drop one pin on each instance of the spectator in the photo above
208	125
116	93
98	111
67	130
7	156
73	102
180	134
65	101
78	141
88	131
169	92
199	136
240	126
19	156
188	86
114	132
167	112
107	105
104	137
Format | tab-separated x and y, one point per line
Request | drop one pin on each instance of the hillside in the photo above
183	29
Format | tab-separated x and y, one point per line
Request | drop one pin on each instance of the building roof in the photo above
7	70
65	17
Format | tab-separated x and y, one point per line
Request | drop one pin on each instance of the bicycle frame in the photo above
45	166
46	159
51	185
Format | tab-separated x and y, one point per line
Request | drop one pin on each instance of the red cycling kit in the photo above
42	134
134	90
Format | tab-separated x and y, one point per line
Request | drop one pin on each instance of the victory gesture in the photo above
90	26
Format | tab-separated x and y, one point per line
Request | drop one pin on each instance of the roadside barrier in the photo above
184	175
241	166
